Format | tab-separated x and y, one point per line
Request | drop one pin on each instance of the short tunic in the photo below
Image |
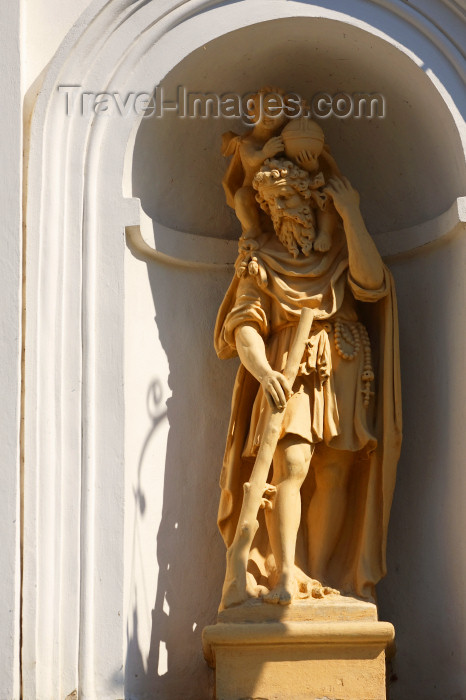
327	402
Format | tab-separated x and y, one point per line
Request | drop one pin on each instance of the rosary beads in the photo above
354	335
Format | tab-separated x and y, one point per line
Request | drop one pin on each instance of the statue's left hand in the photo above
345	197
307	160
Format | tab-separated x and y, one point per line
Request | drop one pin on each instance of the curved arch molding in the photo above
206	252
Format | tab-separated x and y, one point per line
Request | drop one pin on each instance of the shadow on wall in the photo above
423	594
158	414
190	552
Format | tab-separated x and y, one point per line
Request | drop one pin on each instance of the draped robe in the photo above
327	407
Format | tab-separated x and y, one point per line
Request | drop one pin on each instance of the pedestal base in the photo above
332	649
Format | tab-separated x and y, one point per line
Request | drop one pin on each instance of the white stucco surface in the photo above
126	404
10	350
45	24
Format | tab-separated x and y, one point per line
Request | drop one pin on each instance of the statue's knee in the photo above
296	470
292	461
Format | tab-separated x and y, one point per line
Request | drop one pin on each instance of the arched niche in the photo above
89	304
408	165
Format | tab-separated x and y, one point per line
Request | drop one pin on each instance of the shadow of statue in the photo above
190	551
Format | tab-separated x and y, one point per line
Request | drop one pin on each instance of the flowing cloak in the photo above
326	408
234	176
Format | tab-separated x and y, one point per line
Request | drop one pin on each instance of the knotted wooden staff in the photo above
235	587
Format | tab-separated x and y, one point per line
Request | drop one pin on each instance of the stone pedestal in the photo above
332	649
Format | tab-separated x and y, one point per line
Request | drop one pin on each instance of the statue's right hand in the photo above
273	146
277	389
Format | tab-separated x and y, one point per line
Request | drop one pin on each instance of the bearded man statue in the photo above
334	467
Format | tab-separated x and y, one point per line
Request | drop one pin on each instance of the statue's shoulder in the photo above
230	142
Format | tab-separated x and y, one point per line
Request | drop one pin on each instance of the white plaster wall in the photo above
45	24
10	348
176	397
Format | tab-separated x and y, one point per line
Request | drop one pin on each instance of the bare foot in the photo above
299	586
254	589
252	232
232	595
282	593
323	242
308	587
249	236
317	590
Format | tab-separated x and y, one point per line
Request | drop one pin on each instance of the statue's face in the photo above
292	216
270	114
282	198
273	122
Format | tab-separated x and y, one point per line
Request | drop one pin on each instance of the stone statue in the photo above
249	153
317	523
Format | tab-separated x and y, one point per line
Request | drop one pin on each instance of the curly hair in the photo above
275	169
295	228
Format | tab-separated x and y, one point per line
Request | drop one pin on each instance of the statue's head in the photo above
283	192
266	108
304	142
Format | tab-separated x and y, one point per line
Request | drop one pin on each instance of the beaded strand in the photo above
350	336
368	372
354	336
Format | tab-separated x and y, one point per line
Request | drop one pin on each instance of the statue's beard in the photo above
295	229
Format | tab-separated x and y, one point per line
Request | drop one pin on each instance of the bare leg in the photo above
247	211
327	509
326	224
290	467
